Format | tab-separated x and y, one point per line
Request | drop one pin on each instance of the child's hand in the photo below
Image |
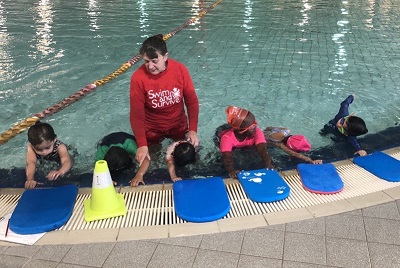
174	179
270	166
54	174
136	180
233	174
317	162
361	152
30	184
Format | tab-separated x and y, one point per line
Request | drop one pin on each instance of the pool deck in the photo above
362	231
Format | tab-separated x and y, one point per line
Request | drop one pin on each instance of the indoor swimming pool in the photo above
289	62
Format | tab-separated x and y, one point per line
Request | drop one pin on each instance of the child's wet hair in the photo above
118	159
152	45
356	126
40	132
184	154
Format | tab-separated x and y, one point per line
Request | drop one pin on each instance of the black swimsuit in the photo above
54	154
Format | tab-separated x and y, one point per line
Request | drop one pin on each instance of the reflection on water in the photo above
43	20
339	39
305	17
247	25
197	6
143	19
6	59
93	13
371	13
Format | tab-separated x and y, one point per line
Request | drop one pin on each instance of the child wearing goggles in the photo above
347	125
243	133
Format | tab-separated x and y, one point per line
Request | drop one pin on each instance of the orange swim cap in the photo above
236	115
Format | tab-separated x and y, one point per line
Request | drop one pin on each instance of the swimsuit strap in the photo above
54	154
276	130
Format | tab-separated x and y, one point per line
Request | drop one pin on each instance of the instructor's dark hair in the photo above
152	45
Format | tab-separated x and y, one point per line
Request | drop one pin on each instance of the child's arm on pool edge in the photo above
262	151
171	169
227	158
290	152
30	167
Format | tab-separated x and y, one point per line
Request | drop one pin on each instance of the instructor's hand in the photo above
141	154
193	138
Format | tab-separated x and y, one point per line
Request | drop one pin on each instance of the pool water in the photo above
290	62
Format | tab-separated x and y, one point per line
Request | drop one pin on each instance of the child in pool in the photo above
243	133
43	144
180	153
118	149
348	126
291	144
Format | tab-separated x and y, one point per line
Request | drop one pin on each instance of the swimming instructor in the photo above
159	91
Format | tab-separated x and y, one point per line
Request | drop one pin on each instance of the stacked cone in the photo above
105	202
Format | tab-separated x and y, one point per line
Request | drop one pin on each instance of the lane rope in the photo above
23	125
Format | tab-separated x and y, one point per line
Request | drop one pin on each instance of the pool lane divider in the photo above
23	125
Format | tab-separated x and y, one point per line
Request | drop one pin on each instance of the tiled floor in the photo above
365	237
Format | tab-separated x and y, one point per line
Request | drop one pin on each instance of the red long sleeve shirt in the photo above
157	102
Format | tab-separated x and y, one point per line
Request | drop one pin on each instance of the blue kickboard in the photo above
201	200
320	179
264	185
43	210
381	165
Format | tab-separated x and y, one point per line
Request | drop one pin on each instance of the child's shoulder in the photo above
170	150
116	138
62	148
172	145
58	143
226	132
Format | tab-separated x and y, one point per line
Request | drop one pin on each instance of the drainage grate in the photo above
155	207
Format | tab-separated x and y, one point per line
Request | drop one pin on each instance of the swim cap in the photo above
236	115
298	143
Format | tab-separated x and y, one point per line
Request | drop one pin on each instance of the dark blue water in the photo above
245	159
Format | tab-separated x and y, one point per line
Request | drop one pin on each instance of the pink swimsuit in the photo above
229	141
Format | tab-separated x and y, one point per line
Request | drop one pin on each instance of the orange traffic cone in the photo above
105	202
